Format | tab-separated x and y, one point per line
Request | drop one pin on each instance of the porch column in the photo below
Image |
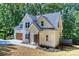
24	37
24	32
31	38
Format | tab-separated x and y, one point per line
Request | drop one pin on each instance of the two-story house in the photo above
40	30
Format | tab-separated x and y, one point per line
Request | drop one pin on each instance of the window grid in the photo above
27	25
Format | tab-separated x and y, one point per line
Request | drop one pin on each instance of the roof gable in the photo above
33	28
47	24
27	18
53	18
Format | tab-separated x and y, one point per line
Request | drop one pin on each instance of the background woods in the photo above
12	14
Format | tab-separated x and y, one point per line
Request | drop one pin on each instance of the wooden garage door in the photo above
19	36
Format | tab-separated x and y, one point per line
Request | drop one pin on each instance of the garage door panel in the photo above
19	36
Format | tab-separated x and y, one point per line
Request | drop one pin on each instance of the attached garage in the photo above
19	36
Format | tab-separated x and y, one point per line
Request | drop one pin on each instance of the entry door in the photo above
36	38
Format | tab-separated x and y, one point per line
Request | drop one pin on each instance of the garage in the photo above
19	36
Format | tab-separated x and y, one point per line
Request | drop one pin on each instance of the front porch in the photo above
33	34
31	38
34	38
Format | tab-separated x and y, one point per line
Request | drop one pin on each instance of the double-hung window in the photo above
42	23
21	25
27	25
27	36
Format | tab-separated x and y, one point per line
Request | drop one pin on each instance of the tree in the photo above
10	16
69	21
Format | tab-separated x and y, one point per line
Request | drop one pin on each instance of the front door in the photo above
36	38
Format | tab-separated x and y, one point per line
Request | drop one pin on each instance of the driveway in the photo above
16	42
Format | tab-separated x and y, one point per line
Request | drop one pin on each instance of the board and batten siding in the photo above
51	38
58	32
46	23
33	30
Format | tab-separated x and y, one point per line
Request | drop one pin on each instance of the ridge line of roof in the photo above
43	15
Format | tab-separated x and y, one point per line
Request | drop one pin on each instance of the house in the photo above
40	30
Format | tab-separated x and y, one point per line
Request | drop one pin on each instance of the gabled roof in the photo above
34	18
28	17
53	18
36	25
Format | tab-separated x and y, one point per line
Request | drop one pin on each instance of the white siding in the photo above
26	18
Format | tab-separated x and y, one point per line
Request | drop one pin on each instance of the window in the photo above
27	25
21	25
58	24
46	37
27	36
42	23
